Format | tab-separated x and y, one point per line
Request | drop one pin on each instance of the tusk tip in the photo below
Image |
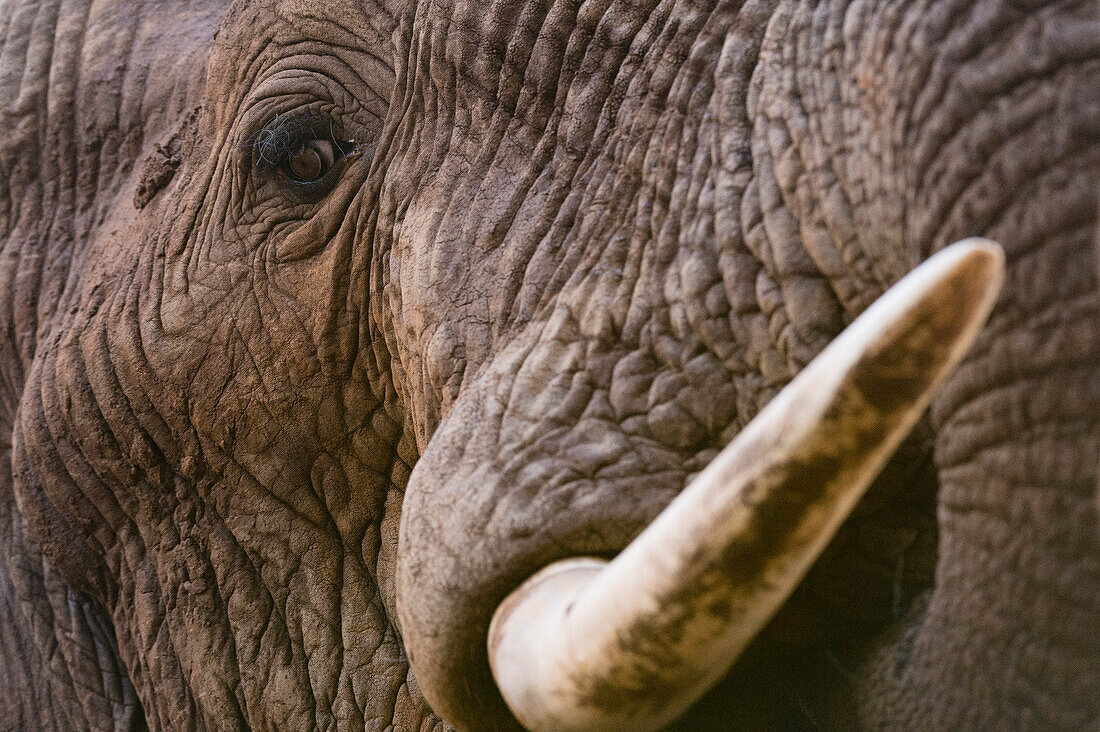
977	261
978	264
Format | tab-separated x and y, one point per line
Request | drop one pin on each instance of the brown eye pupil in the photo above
312	162
306	164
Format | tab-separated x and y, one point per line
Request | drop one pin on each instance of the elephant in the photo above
328	325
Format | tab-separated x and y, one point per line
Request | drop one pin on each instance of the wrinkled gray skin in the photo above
578	247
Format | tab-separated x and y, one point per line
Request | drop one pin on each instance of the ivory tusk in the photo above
629	644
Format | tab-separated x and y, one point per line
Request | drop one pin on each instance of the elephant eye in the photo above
312	161
305	153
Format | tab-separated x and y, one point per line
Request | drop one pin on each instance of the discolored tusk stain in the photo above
586	644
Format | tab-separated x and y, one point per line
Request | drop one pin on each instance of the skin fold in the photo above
266	446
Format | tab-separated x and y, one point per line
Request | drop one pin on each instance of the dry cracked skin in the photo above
323	325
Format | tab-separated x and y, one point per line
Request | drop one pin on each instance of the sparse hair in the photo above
282	136
275	141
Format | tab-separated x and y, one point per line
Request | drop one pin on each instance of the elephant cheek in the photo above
64	521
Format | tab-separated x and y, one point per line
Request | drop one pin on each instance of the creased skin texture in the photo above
259	450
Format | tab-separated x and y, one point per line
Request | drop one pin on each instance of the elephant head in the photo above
327	326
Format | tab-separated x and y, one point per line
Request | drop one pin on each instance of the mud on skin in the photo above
273	425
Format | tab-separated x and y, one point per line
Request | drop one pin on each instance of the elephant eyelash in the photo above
274	145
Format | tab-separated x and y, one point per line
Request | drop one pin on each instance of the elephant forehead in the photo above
565	166
256	39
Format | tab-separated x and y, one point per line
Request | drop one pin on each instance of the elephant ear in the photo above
87	92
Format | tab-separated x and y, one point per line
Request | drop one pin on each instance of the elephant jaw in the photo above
631	643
